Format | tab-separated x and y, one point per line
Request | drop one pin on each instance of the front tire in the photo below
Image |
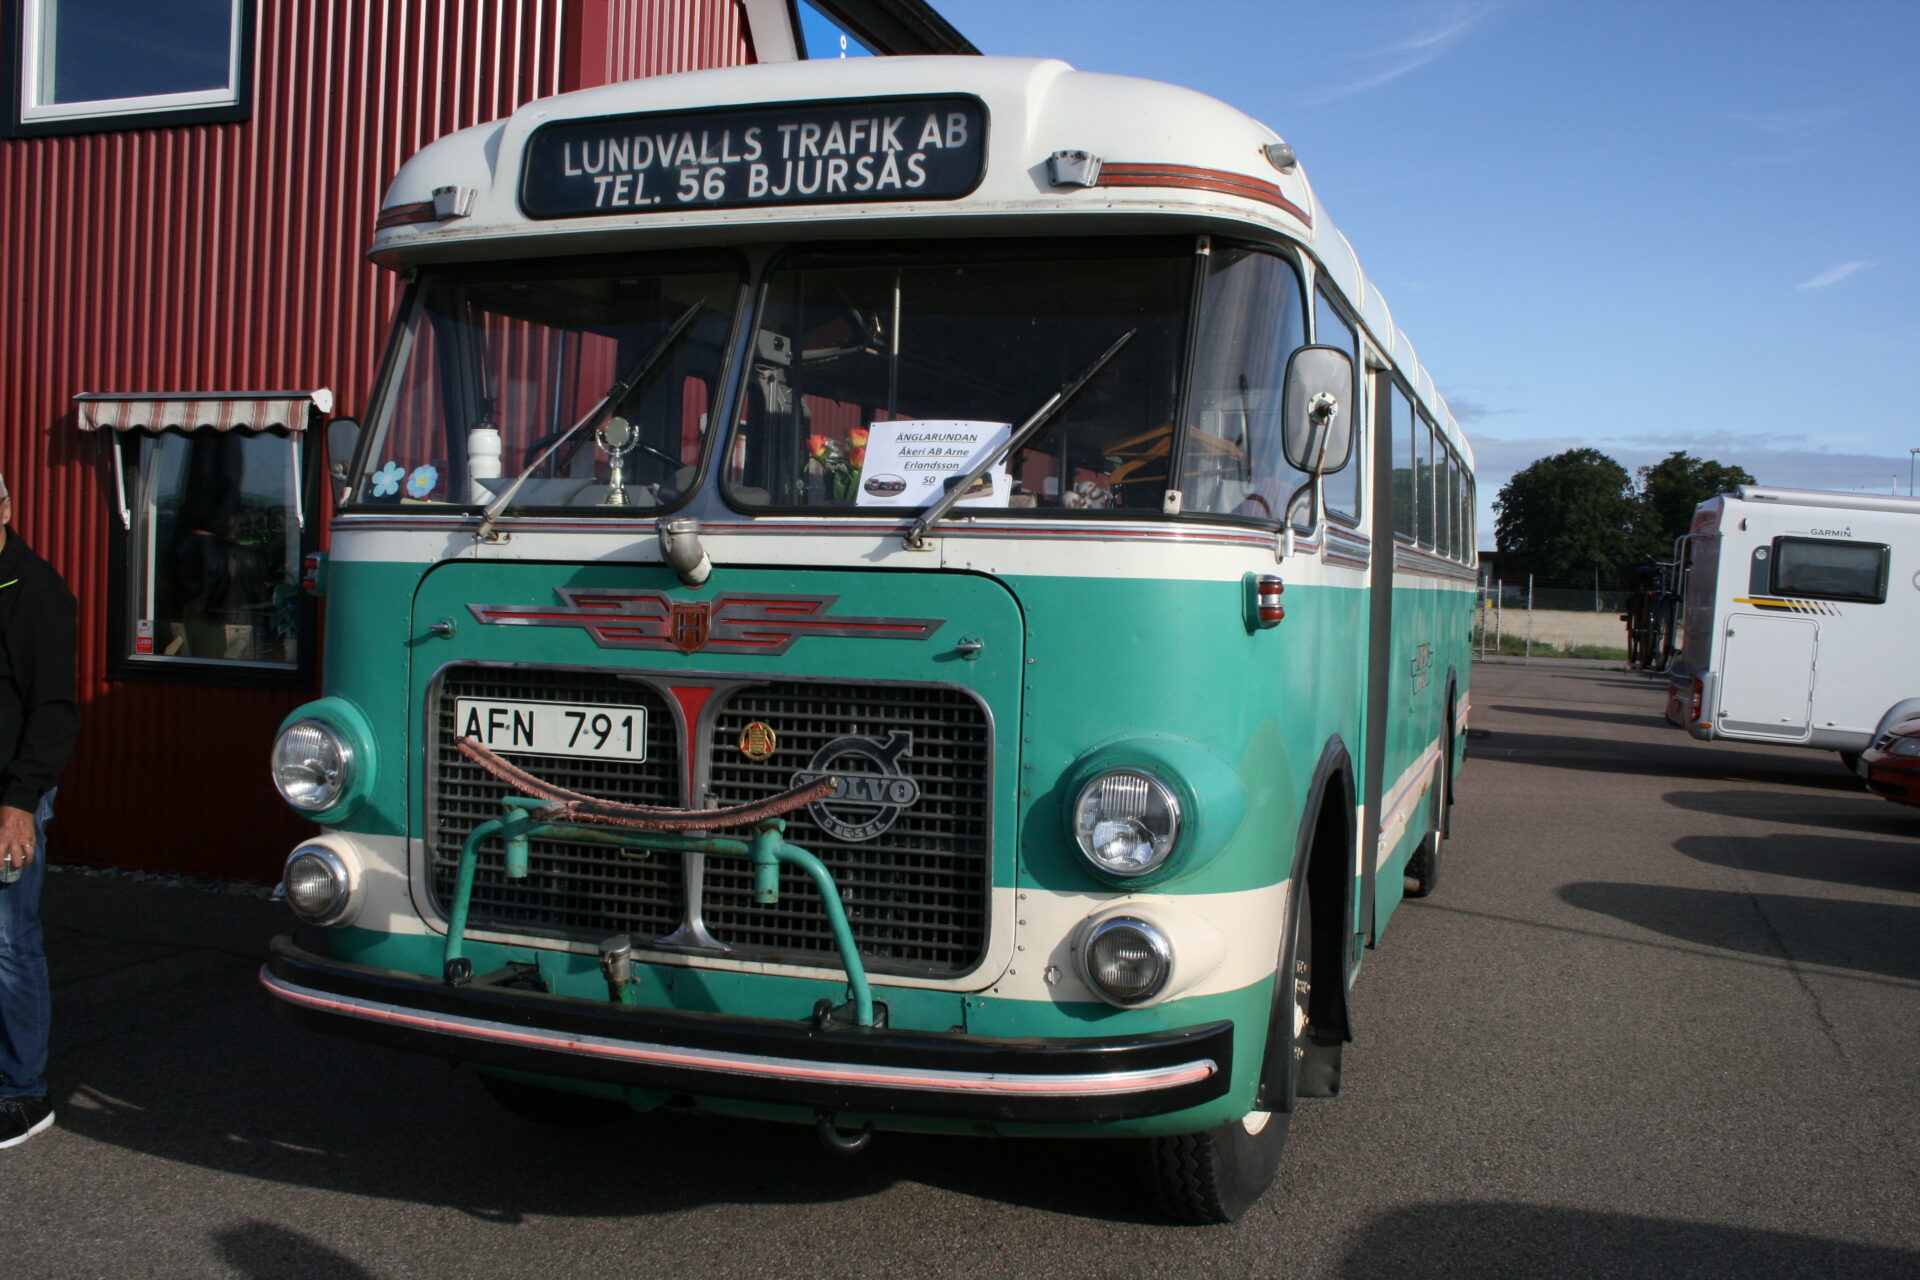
1218	1175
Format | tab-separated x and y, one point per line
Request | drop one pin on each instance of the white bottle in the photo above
483	459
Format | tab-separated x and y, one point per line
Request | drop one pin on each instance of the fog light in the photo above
318	884
1128	961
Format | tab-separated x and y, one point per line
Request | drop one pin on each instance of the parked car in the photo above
1891	763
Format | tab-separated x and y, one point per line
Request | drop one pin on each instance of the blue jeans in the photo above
26	1002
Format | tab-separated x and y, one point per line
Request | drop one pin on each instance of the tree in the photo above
1570	516
1669	491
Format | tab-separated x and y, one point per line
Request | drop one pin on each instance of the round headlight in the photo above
1126	822
318	885
1128	961
311	765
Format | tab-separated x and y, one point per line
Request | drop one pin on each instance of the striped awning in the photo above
201	410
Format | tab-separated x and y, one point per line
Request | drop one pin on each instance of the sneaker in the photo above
21	1118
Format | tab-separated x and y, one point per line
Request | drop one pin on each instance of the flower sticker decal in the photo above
386	481
421	482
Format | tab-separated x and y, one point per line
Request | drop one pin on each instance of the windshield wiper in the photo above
916	536
630	381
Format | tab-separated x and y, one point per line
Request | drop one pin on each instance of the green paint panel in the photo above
1118	660
1159	672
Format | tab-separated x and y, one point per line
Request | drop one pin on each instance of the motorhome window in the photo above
1250	323
1824	569
875	375
491	366
1343	488
1403	450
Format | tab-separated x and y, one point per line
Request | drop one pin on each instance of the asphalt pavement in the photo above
1661	1018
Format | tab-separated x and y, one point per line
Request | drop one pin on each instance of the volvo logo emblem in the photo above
870	789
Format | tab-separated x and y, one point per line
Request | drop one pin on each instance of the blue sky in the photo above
1636	226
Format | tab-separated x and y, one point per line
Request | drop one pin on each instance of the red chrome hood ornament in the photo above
729	623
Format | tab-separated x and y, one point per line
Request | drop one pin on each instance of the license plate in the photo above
553	728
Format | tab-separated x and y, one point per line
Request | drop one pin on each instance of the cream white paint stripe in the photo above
1075	557
1222	941
1396	808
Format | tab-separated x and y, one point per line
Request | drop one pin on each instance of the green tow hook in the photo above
766	850
769	851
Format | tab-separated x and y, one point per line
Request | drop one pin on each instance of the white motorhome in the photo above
1801	608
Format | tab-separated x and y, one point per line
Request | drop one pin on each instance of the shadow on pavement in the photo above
1683	759
1647	721
1870	864
1481	1240
264	1251
1862	811
1869	937
173	1051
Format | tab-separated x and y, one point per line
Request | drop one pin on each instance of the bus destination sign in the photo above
791	153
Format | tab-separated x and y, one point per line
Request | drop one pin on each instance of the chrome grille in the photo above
916	894
571	889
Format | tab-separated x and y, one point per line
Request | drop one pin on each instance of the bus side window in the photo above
1402	464
1450	505
1343	487
1423	480
1251	321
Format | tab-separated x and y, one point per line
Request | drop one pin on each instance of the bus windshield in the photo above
879	373
490	366
875	377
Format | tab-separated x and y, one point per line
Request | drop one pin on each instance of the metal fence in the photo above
1505	615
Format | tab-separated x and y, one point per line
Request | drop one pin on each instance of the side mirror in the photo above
1317	407
343	437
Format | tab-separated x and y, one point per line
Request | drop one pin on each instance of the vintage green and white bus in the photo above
805	631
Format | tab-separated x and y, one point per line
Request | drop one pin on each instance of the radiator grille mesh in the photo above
916	894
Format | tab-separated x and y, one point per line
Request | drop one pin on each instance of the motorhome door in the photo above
1766	682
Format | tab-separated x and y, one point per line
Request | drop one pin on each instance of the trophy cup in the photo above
615	437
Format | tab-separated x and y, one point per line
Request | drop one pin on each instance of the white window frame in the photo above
35	27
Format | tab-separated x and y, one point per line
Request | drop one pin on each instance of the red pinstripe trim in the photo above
401	214
933	1081
1191	178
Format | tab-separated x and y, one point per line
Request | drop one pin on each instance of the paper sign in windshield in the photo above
908	464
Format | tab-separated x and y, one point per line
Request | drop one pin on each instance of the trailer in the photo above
1800	609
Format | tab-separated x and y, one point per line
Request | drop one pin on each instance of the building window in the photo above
84	65
213	528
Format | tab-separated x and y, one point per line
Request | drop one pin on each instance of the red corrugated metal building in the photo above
185	193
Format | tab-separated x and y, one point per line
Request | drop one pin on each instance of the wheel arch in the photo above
1323	870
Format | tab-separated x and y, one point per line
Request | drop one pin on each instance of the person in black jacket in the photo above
39	721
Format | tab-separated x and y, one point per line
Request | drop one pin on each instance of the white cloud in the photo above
1835	274
1450	25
